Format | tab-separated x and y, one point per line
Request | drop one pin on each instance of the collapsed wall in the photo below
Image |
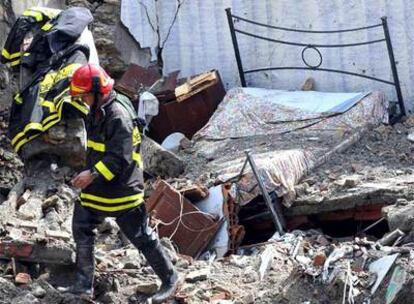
116	47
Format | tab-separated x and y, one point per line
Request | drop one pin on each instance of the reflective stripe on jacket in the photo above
114	151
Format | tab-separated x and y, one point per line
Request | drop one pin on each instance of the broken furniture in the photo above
185	105
197	99
289	132
189	228
285	146
249	28
207	223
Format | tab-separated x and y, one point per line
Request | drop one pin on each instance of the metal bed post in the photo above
236	47
393	65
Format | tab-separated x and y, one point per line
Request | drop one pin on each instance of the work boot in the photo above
163	268
85	264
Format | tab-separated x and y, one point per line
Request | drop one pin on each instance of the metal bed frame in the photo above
317	67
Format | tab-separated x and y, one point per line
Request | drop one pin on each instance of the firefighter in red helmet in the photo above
112	183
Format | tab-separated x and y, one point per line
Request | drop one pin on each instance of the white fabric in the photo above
311	101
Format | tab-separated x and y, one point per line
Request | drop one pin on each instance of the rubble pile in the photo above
221	258
373	159
300	267
11	166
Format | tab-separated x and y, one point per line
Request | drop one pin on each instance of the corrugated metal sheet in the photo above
200	40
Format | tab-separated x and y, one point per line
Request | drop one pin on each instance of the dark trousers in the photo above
133	223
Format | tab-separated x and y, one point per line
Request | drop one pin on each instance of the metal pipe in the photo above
277	219
393	65
236	47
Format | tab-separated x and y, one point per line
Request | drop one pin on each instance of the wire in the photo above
180	220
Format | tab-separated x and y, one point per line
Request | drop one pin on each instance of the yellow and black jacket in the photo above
51	58
113	150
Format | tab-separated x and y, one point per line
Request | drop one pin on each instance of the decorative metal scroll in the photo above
316	47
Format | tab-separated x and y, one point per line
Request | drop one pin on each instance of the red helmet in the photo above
90	78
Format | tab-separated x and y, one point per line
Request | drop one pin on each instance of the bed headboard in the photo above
317	67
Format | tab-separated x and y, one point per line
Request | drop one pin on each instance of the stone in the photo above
110	298
22	278
58	235
250	275
25	298
38	292
319	259
159	161
31	210
115	45
247	299
50	201
198	275
239	261
182	263
147	288
51	221
185	143
309	84
410	137
15	234
400	217
351	181
67	193
322	240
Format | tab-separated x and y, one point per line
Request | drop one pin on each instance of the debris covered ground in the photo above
344	245
301	267
384	153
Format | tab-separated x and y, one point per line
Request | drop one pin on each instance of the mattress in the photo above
286	142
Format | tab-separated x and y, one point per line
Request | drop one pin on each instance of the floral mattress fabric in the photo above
243	114
285	142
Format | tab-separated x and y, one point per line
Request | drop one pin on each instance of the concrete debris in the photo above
227	252
376	168
115	45
159	161
288	269
147	288
22	278
392	238
199	275
400	216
